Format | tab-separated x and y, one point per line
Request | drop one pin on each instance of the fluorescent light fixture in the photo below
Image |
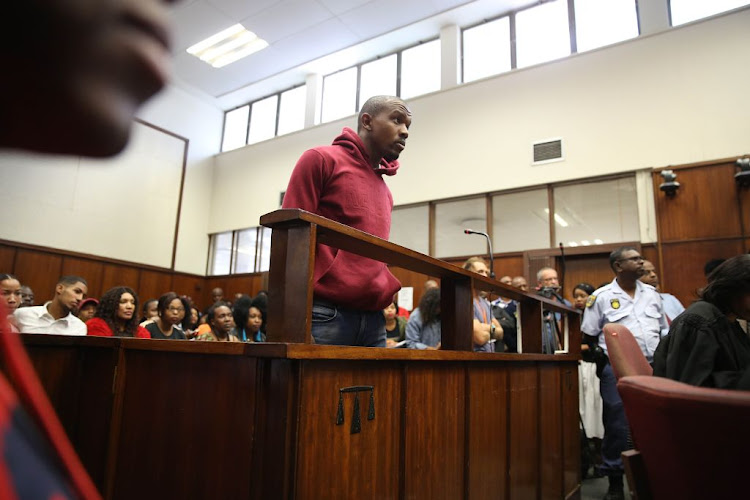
228	46
598	242
572	244
585	243
562	222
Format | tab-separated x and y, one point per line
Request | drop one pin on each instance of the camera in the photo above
547	292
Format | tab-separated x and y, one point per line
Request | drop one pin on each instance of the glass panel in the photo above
244	260
222	253
601	23
377	78
486	49
542	33
420	69
235	128
684	11
292	110
410	227
597	212
339	94
263	120
265	250
451	218
520	221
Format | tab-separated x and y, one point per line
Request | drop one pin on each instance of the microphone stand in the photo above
489	247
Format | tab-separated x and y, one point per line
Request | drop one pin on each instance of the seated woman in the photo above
10	297
395	325
248	319
706	345
219	317
116	315
423	331
167	325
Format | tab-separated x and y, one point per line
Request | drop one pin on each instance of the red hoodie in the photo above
338	183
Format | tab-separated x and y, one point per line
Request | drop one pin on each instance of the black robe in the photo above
704	348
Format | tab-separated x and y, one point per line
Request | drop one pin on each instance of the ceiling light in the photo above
562	222
572	244
598	242
585	243
228	46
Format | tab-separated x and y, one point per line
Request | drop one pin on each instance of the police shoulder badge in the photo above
591	300
615	303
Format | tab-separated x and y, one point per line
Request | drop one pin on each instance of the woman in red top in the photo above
116	315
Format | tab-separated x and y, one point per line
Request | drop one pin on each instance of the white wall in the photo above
675	97
201	123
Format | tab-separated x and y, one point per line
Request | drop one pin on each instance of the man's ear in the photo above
366	121
59	288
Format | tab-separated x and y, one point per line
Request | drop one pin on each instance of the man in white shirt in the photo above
56	316
672	305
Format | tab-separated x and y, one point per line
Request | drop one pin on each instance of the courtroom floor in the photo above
594	488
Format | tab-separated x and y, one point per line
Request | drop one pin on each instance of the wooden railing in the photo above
297	233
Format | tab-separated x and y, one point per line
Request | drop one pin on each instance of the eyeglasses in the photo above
632	259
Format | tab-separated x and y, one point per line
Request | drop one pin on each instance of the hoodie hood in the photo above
352	142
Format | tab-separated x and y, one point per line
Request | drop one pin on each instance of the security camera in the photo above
670	184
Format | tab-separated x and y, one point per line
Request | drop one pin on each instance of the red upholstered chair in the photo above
692	442
625	355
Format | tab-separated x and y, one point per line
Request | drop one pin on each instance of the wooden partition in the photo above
40	267
291	420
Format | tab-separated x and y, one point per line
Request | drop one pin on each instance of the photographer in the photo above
548	286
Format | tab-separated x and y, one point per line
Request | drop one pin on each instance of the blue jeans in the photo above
616	425
334	325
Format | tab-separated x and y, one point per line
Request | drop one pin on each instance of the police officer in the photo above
638	307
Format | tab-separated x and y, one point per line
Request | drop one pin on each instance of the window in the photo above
263	120
235	128
520	221
542	33
451	218
410	228
597	212
244	261
685	11
292	110
251	252
339	94
378	78
486	49
221	252
603	23
420	69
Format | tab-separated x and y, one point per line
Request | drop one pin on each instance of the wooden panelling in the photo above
651	253
571	433
683	265
487	427
524	432
412	279
40	271
434	447
705	206
591	269
182	426
510	265
116	275
550	433
192	286
90	270
7	257
743	203
153	284
367	462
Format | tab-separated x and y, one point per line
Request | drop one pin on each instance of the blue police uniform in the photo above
643	315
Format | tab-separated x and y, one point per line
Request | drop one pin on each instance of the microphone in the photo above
489	247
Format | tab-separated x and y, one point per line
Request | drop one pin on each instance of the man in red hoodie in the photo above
344	182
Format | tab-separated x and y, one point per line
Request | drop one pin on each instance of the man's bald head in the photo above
378	104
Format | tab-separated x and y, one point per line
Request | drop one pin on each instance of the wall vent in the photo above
547	151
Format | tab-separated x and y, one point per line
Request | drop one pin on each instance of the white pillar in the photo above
314	99
653	16
450	56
